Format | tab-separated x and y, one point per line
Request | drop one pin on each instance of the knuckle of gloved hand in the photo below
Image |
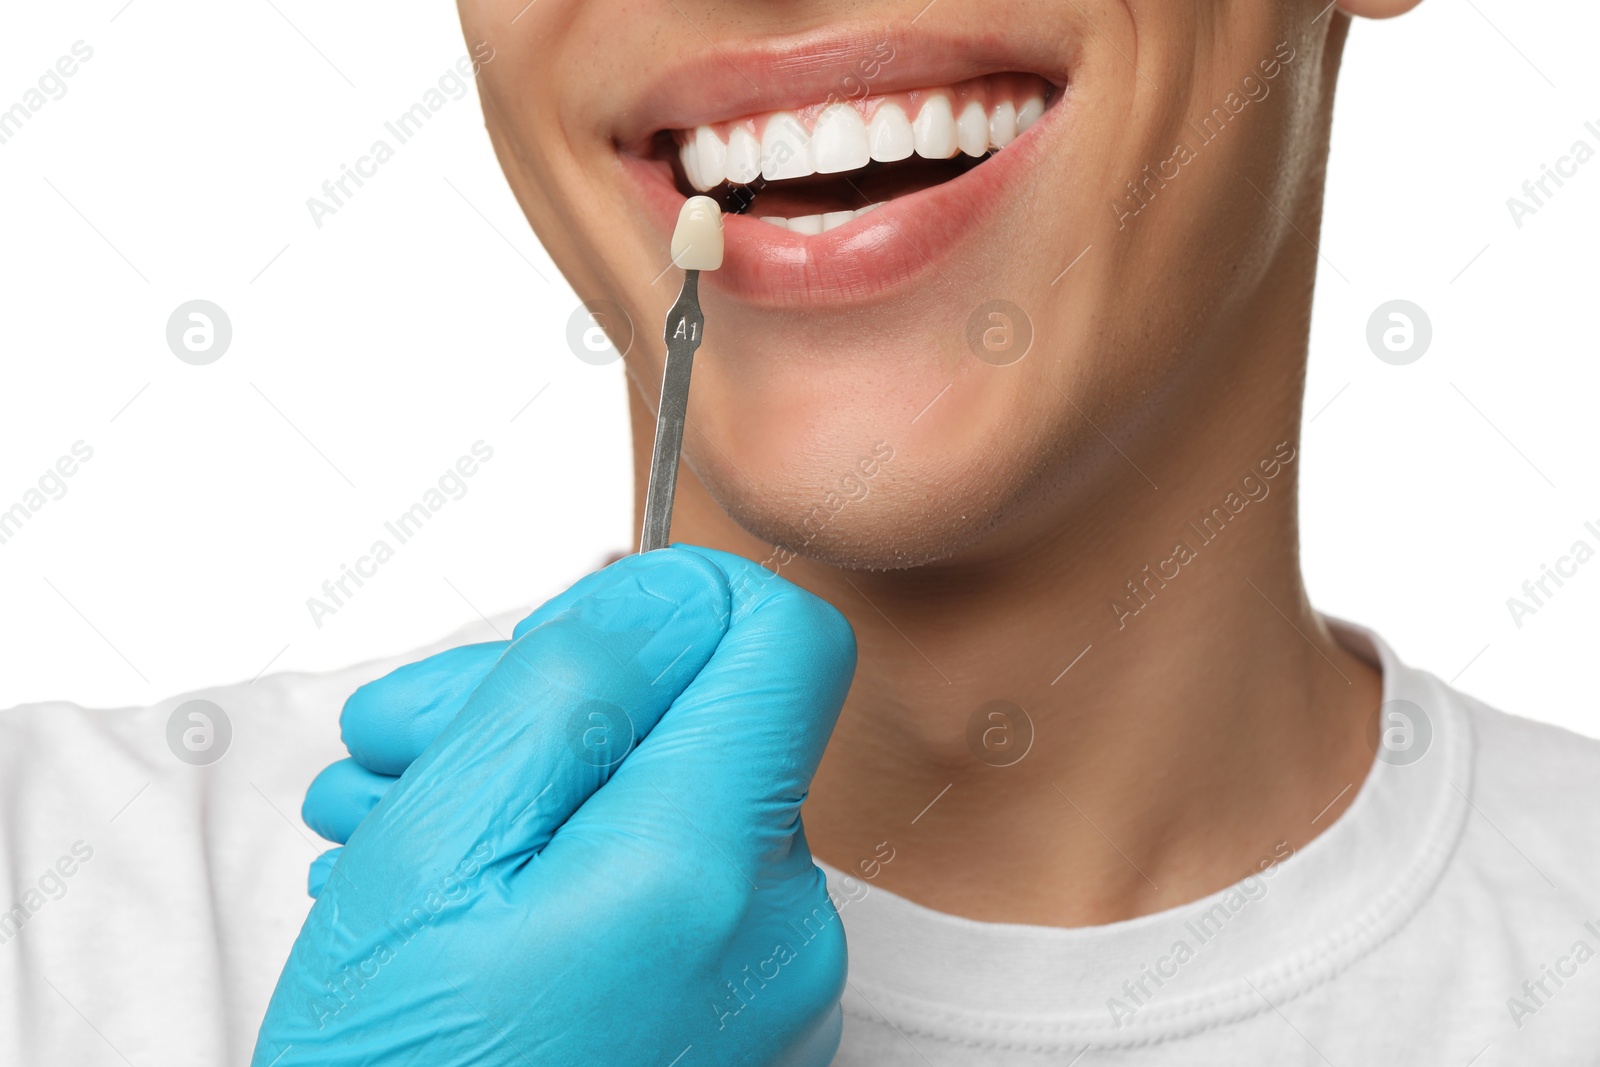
832	628
649	589
684	870
713	903
389	720
705	910
563	663
810	627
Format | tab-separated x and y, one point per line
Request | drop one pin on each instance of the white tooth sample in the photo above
1029	113
836	218
785	148
839	140
697	239
744	156
867	209
890	134
934	131
806	224
689	156
1003	125
972	129
712	155
777	220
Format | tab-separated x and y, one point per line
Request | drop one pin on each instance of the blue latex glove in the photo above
388	723
533	890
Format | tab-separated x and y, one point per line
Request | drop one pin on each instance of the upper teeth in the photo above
837	137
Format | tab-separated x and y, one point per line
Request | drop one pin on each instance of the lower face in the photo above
965	248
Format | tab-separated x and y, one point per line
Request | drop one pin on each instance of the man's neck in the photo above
1117	718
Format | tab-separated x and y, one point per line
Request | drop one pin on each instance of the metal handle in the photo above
685	325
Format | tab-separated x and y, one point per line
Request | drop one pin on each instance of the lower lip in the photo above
874	256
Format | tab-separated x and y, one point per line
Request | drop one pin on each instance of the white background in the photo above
369	354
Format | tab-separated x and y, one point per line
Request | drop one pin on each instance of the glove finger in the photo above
546	727
321	868
341	796
387	723
736	753
563	600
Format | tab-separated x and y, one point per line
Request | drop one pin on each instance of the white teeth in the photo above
934	132
843	141
890	134
785	148
972	130
1003	125
811	225
690	157
839	141
744	156
712	156
1029	113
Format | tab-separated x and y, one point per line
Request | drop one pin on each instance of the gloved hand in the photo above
538	889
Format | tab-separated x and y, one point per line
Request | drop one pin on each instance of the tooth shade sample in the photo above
777	220
890	134
1029	113
744	156
712	156
839	140
836	218
697	239
810	225
934	131
1003	124
785	148
972	130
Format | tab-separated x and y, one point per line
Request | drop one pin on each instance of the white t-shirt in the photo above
1450	916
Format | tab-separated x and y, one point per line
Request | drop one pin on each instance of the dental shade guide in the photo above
696	246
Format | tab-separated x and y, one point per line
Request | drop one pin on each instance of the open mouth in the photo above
854	167
813	169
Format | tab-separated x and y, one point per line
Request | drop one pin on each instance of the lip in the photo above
886	250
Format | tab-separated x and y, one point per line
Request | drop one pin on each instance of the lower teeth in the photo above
815	224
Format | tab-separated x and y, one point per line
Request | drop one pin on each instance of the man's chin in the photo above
879	526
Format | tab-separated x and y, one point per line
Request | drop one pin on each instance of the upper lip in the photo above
725	81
